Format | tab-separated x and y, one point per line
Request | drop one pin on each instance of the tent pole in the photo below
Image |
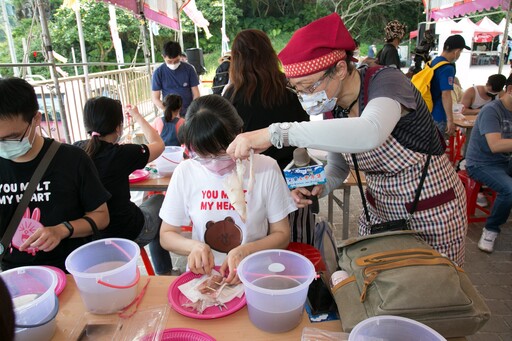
45	35
505	39
10	41
83	51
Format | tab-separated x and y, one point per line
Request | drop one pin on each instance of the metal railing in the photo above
130	86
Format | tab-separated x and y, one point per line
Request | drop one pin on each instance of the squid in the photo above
234	186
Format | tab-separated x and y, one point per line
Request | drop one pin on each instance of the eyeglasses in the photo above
18	139
208	159
310	89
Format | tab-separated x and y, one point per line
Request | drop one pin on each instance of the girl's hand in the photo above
231	263
200	259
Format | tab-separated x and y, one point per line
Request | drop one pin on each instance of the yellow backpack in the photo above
422	80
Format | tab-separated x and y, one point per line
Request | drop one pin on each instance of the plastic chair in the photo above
454	148
146	261
310	252
473	187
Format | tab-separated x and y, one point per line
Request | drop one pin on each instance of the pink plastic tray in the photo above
182	334
61	279
138	175
176	299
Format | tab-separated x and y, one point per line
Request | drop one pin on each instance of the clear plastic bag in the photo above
315	334
145	325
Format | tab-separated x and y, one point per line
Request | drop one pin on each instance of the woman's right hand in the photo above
301	195
200	259
258	140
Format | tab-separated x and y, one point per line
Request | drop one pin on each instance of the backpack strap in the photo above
179	124
370	72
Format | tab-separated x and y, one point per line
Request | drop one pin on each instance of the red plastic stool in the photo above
472	188
310	252
146	261
454	148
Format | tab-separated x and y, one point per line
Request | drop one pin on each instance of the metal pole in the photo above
10	41
25	55
197	36
505	39
152	44
83	51
74	60
45	34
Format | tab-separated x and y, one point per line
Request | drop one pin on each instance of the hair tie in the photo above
95	134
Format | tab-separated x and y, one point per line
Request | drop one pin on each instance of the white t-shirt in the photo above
196	194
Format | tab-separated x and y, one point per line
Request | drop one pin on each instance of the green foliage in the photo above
95	18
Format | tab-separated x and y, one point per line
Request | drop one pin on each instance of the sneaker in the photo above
481	200
486	242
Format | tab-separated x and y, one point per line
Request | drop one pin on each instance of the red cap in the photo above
316	47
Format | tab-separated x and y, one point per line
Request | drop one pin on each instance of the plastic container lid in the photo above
395	328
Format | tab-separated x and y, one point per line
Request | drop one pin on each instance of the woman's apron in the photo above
392	175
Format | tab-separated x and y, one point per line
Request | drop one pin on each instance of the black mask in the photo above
490	94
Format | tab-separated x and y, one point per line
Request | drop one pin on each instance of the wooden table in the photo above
236	326
345	203
468	122
151	184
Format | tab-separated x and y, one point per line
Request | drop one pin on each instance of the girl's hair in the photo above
172	103
255	66
102	115
210	125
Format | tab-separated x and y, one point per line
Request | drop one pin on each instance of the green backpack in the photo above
422	80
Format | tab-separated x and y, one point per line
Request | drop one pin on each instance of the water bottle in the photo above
337	277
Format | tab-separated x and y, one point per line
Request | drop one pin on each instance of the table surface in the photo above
151	184
72	316
467	122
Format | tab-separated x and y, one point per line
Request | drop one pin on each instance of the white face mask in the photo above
173	66
12	150
317	103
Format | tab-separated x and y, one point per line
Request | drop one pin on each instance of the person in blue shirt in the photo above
488	161
169	124
442	83
174	76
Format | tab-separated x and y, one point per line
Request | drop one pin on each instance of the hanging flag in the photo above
114	32
197	17
73	4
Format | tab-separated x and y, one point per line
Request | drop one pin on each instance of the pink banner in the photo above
461	8
164	12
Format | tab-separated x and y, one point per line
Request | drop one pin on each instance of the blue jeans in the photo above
150	234
498	178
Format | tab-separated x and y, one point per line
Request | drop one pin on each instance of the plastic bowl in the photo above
276	283
393	328
42	332
32	289
169	160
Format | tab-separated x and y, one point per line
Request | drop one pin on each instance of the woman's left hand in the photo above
301	195
231	263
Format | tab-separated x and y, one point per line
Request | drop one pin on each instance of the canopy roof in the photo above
456	8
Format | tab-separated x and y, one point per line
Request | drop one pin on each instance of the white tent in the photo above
490	26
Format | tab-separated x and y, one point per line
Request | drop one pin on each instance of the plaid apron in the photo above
392	175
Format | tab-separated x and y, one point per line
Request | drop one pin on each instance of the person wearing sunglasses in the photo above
380	117
198	192
69	195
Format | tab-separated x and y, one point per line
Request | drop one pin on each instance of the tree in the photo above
95	19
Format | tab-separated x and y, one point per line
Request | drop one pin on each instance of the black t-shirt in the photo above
69	188
255	116
115	162
389	55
